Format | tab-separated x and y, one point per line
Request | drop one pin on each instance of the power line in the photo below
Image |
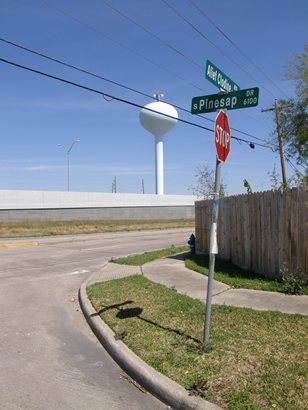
112	97
139	55
110	81
165	44
89	73
295	169
236	46
221	50
215	45
76	20
55	60
151	34
103	94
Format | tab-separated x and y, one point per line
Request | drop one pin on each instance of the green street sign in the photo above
218	78
228	101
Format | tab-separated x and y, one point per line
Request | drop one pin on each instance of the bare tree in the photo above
205	183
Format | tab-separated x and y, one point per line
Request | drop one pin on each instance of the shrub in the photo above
295	282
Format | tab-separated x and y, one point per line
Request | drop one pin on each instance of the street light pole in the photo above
68	160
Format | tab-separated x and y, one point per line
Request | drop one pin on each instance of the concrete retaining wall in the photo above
21	205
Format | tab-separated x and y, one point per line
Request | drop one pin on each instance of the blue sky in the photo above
38	113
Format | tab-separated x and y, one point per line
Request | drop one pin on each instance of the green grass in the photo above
257	359
45	228
142	258
225	272
232	275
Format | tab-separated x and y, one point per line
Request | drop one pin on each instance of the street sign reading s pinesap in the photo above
227	101
232	99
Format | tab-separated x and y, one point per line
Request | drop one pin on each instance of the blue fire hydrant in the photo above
192	244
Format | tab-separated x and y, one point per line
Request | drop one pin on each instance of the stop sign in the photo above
222	136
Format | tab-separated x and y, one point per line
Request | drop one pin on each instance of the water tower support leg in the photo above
159	165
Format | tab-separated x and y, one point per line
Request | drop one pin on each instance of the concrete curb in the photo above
154	382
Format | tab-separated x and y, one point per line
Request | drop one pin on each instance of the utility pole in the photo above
114	185
283	169
142	185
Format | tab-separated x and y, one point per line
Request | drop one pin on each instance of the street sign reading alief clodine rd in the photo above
229	101
219	79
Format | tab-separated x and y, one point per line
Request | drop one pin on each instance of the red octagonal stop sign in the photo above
222	136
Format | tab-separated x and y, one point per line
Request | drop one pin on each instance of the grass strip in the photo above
225	272
142	258
257	359
232	275
28	228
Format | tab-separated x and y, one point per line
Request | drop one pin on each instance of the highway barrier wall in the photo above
56	205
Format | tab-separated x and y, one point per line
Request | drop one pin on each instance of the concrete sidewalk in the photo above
171	272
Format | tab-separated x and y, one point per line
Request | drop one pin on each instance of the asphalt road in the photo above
49	358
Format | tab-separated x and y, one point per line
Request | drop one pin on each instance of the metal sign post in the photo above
222	138
233	99
213	252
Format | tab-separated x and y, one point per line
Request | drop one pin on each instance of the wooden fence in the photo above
263	232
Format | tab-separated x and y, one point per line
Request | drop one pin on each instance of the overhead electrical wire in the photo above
122	45
129	48
122	100
156	37
215	45
110	81
55	60
136	52
151	34
223	52
295	169
202	12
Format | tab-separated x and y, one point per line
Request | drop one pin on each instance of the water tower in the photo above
158	118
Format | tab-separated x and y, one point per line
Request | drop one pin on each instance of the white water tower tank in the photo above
152	119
